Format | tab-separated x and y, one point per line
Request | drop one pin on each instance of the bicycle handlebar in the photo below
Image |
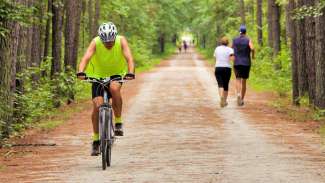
105	80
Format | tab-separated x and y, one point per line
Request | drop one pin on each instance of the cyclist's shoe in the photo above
119	129
95	148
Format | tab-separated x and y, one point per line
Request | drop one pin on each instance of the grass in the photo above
49	125
59	116
156	59
302	113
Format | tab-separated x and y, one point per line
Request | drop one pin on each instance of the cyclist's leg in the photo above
115	90
97	102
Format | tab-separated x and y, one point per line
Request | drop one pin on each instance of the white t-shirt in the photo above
222	54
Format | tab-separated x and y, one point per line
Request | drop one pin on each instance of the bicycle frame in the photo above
105	122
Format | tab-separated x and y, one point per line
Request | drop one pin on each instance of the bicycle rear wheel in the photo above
103	137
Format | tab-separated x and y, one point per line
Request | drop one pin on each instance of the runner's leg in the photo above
243	88
238	86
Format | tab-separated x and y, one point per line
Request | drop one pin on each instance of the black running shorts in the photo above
223	75
242	71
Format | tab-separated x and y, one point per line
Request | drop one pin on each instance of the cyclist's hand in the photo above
129	76
81	75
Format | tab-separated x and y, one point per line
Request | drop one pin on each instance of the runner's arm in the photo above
127	54
86	58
232	57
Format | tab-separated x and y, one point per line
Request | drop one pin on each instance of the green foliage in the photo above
272	75
319	115
309	11
36	99
11	12
4	109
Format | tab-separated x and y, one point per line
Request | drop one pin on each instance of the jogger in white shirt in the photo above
223	55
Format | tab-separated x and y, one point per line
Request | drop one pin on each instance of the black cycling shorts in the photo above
223	75
98	90
242	71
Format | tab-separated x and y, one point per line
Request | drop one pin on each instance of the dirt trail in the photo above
175	132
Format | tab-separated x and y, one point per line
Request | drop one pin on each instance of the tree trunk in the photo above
276	28
204	41
301	54
320	61
23	45
36	41
29	38
14	42
90	20
242	12
259	16
96	18
5	81
57	21
47	31
270	22
84	8
56	37
310	52
293	44
72	26
162	43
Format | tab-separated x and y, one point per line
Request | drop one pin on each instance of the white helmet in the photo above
107	32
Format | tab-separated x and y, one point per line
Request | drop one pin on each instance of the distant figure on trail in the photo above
223	55
185	45
244	49
179	46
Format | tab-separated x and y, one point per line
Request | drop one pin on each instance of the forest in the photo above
42	41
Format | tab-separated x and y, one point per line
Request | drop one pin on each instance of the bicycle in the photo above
106	127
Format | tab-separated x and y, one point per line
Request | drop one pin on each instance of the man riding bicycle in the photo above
107	55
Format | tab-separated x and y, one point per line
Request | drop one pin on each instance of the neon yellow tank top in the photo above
105	62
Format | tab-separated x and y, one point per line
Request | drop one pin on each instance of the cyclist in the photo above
244	49
223	55
108	54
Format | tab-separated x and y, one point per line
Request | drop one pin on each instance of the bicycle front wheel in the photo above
103	137
110	137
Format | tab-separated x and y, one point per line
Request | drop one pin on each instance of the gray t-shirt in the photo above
222	54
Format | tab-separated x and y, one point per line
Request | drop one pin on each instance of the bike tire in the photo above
110	137
103	137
